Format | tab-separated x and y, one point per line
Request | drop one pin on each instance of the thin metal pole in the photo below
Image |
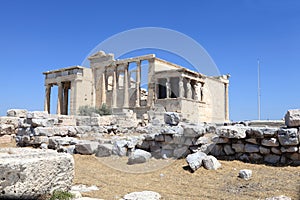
258	88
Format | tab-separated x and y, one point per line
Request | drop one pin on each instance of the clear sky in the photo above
37	36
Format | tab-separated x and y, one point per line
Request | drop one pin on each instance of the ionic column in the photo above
65	99
226	102
114	92
151	84
138	84
47	98
189	89
168	88
60	99
181	88
126	93
103	89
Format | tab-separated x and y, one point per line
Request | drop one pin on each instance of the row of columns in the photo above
126	83
189	87
62	97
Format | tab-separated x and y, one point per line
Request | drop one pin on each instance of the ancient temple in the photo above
117	83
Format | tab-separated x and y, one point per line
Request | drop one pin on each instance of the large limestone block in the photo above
39	122
56	142
139	156
10	121
237	132
191	130
17	113
144	195
66	120
288	137
86	147
29	173
7	129
104	150
37	115
292	118
195	160
44	131
211	163
171	118
120	147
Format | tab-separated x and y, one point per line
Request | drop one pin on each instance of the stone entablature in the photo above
77	79
117	83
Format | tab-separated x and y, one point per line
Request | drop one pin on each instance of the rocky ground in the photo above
175	181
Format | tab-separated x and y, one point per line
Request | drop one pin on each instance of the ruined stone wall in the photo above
9	125
257	142
250	144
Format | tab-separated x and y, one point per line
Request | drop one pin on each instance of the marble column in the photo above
126	92
181	88
65	98
60	99
47	98
151	83
103	89
114	89
138	84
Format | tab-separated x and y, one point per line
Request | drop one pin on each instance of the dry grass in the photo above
176	182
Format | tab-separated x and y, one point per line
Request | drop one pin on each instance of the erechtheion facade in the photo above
117	83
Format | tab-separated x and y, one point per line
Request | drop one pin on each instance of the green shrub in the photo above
103	110
89	110
61	195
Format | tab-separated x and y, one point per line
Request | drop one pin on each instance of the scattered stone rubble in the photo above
167	137
171	138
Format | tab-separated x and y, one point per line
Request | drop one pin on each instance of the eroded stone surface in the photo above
144	195
245	174
139	156
28	173
292	118
195	160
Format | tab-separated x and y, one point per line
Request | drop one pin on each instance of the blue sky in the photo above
37	36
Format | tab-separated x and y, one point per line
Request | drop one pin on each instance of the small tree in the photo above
104	110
